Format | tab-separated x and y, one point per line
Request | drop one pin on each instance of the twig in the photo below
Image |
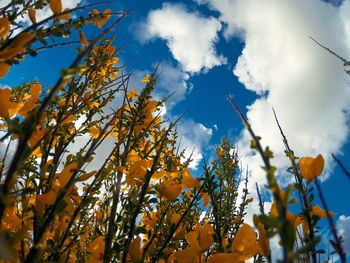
341	165
339	248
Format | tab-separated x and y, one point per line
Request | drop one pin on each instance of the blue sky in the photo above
257	51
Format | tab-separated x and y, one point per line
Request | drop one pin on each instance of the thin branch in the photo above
339	248
342	166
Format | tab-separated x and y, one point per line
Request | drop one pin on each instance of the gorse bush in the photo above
141	204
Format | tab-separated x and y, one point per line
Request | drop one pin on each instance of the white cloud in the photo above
343	227
304	83
227	13
194	138
192	48
172	81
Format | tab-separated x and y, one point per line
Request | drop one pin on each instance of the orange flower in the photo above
4	27
188	181
56	6
16	47
94	132
146	79
103	18
205	199
224	258
170	191
293	219
263	240
4	68
96	248
32	15
132	94
244	246
63	177
48	198
83	40
318	211
135	250
245	243
64	16
137	172
199	241
7	107
35	90
37	135
311	168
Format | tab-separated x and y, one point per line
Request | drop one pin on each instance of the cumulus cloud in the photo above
306	85
343	227
194	49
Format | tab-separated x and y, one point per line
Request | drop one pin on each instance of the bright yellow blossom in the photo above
311	168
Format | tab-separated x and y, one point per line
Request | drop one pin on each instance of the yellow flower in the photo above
96	248
133	157
32	15
63	177
311	168
16	47
101	18
86	176
56	6
4	68
170	191
188	181
318	211
4	26
146	79
199	241
224	258
175	218
37	135
132	94
64	16
206	237
135	250
94	132
293	219
48	198
137	172
83	40
263	240
7	107
245	243
10	220
205	199
35	90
